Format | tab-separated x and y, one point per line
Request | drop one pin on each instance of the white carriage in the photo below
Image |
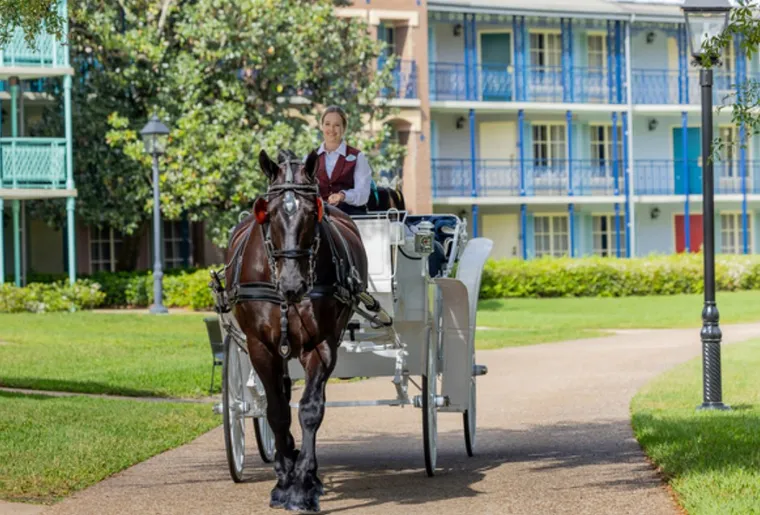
433	304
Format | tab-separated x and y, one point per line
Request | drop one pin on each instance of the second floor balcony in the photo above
671	87
38	163
46	52
491	82
586	177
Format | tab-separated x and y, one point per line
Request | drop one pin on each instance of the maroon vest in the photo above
342	175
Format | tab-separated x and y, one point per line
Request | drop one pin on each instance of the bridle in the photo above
290	191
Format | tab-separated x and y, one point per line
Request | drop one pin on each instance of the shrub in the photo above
610	277
49	297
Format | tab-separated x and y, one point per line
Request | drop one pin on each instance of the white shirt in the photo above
359	195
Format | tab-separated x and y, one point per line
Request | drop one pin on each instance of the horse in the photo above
388	196
293	301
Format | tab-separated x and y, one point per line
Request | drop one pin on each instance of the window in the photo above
728	153
551	236
545	49
105	247
601	149
388	35
549	145
732	235
605	235
173	244
597	52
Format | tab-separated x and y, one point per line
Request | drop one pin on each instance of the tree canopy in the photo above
32	16
228	78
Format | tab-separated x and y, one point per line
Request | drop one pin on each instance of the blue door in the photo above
693	163
496	59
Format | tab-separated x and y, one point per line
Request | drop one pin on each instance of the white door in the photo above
498	165
498	140
504	231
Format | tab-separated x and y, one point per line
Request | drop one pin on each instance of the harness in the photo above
348	288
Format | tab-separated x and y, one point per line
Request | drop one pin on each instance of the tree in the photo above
32	16
228	78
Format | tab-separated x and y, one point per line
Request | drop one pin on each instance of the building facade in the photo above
556	128
573	128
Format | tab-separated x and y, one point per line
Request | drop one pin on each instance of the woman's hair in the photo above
335	109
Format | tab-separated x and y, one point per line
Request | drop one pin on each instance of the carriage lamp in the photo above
155	136
706	20
423	238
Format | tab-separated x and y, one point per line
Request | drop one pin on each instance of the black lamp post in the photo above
706	20
155	135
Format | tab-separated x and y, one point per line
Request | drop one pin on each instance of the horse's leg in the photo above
318	365
270	370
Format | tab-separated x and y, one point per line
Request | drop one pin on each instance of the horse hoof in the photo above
279	498
308	503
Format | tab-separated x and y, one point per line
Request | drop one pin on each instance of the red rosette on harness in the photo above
260	208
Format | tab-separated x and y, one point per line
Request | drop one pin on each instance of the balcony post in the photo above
569	128
686	181
609	63
467	85
741	78
626	181
616	180
519	65
474	58
14	84
618	64
524	230
70	201
683	66
474	174
521	149
16	242
567	80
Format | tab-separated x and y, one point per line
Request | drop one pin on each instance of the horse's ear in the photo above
260	210
268	166
310	166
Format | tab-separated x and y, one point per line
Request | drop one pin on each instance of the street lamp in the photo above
706	20
155	135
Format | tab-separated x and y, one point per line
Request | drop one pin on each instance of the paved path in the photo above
553	437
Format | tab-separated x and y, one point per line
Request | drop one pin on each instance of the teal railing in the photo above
33	163
47	52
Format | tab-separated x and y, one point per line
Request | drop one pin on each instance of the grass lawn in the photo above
530	321
51	447
711	459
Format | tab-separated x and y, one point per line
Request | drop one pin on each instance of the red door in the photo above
695	233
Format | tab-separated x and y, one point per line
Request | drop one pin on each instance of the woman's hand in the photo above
336	198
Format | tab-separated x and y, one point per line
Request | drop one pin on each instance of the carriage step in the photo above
479	370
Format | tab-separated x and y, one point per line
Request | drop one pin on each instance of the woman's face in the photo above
332	128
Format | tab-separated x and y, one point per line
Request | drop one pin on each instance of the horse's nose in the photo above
294	295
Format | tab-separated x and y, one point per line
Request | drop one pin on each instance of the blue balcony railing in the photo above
32	163
670	87
674	177
502	177
497	82
405	79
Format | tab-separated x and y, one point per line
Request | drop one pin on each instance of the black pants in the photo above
352	210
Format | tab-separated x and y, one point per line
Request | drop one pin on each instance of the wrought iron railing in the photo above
32	162
668	87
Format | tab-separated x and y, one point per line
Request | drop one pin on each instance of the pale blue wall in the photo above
655	236
453	142
448	49
649	55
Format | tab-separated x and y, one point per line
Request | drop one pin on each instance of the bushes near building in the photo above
545	277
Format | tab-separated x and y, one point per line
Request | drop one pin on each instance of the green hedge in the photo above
49	297
545	277
609	277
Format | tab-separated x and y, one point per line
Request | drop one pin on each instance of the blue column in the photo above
567	59
626	179
741	77
474	174
2	244
569	118
467	63
685	171
616	179
70	201
521	146
525	51
618	63
683	67
524	228
610	71
474	57
519	65
473	162
571	226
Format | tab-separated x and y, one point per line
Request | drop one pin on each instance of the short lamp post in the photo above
706	20
155	135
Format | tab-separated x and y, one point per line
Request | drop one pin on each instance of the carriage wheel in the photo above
470	419
264	439
233	413
429	408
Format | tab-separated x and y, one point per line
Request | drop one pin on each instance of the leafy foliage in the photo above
228	79
33	17
50	297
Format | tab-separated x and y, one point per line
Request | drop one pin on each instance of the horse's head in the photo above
290	212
